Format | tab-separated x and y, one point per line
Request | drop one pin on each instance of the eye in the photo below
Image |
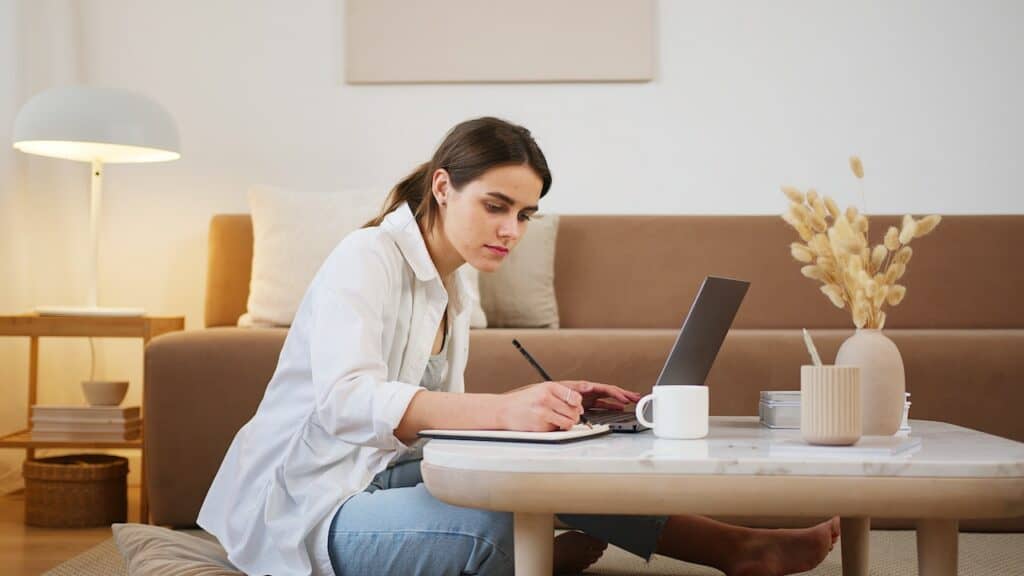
491	207
524	217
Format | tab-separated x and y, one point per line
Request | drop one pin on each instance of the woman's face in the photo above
485	219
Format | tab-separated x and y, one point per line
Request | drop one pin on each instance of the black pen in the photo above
544	374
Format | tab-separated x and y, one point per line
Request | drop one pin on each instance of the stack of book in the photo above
85	423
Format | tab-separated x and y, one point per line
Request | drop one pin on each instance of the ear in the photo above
440	185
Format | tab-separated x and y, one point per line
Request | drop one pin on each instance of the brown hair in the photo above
468	150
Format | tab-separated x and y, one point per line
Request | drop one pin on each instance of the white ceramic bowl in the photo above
104	392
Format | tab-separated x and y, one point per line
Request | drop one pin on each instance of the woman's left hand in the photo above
607	396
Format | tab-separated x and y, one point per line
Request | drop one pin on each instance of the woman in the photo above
325	478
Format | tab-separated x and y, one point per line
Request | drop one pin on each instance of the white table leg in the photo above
534	543
937	541
855	537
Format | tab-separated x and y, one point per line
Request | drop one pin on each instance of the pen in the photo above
543	374
811	349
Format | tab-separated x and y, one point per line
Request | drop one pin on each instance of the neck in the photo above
445	257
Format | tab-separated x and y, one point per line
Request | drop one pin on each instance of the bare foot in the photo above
575	551
780	552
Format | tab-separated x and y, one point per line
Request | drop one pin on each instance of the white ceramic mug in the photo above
680	412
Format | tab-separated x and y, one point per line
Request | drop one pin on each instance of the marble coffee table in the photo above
740	469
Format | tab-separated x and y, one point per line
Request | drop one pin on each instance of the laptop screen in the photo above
703	331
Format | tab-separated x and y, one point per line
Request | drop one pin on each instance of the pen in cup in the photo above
811	349
543	374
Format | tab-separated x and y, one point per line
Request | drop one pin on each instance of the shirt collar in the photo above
402	226
401	223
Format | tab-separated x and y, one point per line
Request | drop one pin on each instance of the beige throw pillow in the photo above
521	293
153	550
293	233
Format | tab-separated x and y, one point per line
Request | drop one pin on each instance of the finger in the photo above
567	394
560	407
610	404
614	392
627	396
560	420
580	386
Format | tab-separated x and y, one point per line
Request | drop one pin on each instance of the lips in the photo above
497	249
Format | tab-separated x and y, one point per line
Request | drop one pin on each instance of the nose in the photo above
509	229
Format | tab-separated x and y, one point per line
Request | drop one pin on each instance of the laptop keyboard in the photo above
610	416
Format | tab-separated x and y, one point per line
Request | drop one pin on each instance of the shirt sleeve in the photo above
354	399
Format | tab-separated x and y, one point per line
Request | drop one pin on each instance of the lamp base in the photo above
88	311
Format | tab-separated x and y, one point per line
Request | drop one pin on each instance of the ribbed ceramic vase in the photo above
882	380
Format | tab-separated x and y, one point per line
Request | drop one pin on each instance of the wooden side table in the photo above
35	326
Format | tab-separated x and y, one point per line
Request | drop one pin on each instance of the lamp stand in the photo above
91	308
95	202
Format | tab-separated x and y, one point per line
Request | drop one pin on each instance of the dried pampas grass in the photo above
836	251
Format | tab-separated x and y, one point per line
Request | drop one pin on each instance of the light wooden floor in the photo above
26	550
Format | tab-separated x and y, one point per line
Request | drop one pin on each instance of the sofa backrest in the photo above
626	271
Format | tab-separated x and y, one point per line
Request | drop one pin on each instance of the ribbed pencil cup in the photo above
830	405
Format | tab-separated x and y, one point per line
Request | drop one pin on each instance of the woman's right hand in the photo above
543	407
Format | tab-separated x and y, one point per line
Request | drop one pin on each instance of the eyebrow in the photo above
510	201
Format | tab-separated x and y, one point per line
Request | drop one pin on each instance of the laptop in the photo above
695	349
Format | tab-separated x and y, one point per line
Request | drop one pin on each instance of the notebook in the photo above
577	432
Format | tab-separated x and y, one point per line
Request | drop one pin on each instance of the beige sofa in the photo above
624	284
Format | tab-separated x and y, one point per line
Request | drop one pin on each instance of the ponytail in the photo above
414	190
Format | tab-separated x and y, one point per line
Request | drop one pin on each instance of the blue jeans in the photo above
396	527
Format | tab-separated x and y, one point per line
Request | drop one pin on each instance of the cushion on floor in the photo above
152	550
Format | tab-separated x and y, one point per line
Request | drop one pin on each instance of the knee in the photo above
493	552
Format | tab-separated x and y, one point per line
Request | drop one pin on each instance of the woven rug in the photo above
104	558
893	553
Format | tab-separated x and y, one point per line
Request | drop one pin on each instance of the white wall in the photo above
749	95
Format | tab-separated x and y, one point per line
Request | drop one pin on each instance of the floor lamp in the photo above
99	126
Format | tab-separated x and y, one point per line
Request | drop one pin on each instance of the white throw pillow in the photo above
521	293
153	550
293	233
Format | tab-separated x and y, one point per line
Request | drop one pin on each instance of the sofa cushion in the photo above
521	293
152	550
619	271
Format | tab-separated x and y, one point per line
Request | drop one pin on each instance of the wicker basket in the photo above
76	491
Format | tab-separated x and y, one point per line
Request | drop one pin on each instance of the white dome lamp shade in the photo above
95	125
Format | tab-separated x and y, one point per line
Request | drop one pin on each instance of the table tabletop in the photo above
740	445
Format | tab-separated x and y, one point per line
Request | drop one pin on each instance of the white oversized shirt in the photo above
325	426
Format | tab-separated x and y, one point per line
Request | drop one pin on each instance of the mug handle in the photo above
640	411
